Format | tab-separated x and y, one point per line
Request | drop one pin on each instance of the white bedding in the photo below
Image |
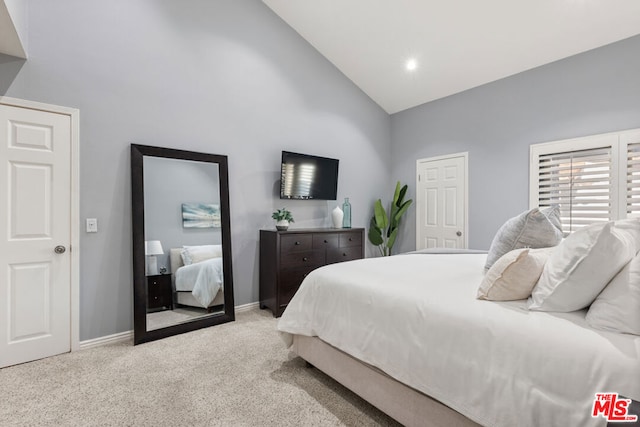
204	279
416	318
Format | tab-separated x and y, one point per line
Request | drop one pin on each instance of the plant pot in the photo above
282	225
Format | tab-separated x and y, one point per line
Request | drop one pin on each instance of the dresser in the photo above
286	257
159	292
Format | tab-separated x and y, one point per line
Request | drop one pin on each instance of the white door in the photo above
35	219
441	217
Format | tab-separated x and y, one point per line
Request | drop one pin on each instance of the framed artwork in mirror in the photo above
200	215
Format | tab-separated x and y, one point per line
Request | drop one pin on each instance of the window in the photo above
592	179
633	179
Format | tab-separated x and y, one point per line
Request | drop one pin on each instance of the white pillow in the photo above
617	308
514	275
631	227
580	268
193	254
534	228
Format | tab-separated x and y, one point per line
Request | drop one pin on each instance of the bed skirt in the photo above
404	404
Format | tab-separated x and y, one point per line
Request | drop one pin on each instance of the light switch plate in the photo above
92	225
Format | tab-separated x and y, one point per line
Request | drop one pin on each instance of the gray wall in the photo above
594	92
224	77
168	183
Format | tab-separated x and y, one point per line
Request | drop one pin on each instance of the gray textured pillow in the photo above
531	229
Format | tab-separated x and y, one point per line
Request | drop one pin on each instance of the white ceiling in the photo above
457	44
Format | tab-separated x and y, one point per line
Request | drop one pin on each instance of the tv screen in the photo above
308	177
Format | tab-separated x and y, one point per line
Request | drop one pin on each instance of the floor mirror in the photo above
182	278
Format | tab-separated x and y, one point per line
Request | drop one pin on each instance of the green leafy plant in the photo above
282	215
383	228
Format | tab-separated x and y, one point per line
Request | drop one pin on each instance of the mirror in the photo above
182	274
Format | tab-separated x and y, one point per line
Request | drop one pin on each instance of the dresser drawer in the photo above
290	282
350	239
302	259
157	301
344	254
295	243
326	240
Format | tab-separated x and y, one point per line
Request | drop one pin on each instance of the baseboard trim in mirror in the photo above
182	269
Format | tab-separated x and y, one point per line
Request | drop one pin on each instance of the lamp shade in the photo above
153	247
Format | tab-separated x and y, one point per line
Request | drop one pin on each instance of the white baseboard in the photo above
128	335
247	307
109	339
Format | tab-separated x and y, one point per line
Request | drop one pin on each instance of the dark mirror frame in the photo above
141	334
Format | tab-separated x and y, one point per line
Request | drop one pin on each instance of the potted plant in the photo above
383	228
283	217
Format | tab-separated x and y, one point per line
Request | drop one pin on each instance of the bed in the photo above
199	284
408	334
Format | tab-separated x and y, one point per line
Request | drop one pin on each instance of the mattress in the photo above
416	318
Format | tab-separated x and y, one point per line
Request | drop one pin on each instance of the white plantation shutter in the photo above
593	179
580	182
633	179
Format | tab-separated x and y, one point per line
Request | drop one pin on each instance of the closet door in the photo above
441	193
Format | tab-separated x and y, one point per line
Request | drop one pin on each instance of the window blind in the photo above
580	183
633	179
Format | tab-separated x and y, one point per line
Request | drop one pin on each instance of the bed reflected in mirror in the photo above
182	256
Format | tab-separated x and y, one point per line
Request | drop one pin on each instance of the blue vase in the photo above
346	208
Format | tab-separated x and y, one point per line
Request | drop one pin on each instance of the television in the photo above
303	176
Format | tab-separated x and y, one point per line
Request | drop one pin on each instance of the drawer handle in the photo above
297	243
326	241
344	254
350	239
305	259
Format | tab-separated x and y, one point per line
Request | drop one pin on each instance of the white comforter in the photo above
204	279
415	317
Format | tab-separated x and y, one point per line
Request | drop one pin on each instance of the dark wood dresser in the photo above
159	292
286	257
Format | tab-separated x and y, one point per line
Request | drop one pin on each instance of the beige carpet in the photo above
237	374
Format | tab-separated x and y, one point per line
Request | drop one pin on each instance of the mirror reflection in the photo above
183	241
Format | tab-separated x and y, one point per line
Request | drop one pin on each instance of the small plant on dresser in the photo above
283	217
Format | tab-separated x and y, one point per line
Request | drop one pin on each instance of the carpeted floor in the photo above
237	374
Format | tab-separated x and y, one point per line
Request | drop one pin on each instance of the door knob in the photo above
459	233
60	249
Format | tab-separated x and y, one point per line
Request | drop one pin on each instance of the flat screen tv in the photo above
308	177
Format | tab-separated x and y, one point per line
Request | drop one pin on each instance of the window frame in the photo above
616	141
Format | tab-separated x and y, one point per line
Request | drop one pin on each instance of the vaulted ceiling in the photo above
12	25
403	53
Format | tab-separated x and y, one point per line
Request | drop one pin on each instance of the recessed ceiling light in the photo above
411	64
